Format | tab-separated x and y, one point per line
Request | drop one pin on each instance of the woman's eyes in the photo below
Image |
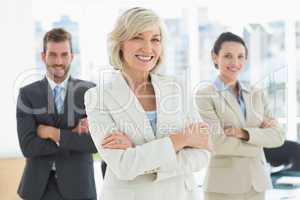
156	40
230	56
140	38
137	38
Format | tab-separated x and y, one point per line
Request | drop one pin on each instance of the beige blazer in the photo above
236	165
151	170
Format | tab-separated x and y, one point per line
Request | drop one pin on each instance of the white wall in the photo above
16	50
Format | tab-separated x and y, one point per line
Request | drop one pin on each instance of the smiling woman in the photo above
136	32
139	131
142	51
243	124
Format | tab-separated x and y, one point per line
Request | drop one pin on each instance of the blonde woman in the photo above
242	125
150	141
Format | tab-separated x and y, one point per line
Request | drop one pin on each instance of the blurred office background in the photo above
271	30
272	33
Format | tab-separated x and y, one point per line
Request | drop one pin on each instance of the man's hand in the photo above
48	132
82	127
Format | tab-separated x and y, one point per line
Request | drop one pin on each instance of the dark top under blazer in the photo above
73	158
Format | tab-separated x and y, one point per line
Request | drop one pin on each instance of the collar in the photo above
220	86
62	84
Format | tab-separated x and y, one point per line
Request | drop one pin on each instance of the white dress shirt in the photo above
63	95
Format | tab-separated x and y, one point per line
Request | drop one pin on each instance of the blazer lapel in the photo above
48	99
169	105
233	104
250	109
58	118
128	102
158	90
69	97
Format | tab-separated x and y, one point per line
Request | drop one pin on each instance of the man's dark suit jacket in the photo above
73	158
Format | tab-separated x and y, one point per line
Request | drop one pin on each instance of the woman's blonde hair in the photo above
129	24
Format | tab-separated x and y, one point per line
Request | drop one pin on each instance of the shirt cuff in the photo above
57	143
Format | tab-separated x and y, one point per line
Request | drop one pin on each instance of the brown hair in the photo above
227	37
57	35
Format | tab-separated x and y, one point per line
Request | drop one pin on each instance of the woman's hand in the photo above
195	136
268	123
237	132
117	140
243	134
198	136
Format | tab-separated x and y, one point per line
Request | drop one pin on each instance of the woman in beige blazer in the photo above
141	123
241	125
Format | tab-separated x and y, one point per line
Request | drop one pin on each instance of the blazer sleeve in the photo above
188	159
31	145
266	137
223	145
132	162
76	142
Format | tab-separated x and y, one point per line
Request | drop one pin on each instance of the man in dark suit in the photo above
53	130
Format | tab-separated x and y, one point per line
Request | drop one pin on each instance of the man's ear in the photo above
43	56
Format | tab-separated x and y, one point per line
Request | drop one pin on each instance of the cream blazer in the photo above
152	169
237	165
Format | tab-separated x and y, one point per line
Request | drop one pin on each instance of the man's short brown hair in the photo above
57	35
